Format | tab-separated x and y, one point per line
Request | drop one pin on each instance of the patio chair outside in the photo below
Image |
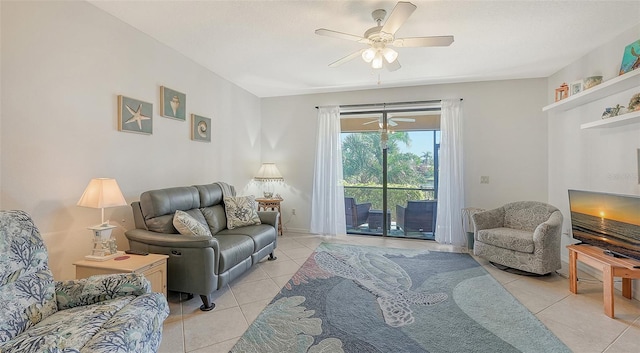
355	214
418	216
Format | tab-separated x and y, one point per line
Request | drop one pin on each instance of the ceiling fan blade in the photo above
346	58
433	41
395	65
370	122
392	123
340	35
409	120
400	13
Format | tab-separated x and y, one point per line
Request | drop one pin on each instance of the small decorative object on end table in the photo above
271	204
152	266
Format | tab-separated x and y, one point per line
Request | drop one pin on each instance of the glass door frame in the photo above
384	138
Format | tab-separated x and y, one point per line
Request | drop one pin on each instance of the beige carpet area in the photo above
578	320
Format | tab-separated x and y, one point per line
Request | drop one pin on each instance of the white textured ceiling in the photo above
269	47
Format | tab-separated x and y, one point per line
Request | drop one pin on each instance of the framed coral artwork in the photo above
630	58
200	128
135	115
173	104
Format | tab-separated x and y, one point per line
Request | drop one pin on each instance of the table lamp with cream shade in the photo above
268	174
102	193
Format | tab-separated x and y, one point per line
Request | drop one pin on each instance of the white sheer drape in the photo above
450	181
327	200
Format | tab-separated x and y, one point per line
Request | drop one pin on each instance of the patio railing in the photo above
397	195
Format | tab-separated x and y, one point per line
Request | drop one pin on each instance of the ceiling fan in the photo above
381	37
390	121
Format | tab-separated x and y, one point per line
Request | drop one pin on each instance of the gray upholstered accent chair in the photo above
524	235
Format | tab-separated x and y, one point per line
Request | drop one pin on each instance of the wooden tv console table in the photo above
610	266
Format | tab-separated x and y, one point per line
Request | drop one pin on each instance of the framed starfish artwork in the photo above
135	115
173	104
200	128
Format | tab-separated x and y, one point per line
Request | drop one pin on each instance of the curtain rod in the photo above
374	105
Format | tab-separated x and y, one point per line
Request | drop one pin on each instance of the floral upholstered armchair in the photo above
108	313
524	235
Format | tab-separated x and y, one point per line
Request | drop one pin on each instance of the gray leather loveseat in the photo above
200	264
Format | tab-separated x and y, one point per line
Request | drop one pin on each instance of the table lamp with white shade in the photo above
268	174
102	193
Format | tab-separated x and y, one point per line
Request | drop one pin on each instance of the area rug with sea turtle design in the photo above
362	299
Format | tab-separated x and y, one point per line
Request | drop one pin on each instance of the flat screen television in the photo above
608	221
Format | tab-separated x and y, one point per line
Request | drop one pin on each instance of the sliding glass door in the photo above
390	163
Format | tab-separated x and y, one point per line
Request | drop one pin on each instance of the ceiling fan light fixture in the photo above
368	55
389	54
376	63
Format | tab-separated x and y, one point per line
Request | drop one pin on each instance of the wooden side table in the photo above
610	266
152	266
271	204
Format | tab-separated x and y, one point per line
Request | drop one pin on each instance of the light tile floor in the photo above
578	320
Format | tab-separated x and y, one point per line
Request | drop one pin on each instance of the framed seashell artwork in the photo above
173	104
200	128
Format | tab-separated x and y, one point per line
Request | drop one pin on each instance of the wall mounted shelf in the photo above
619	120
615	85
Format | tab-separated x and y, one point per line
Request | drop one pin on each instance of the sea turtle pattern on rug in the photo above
383	278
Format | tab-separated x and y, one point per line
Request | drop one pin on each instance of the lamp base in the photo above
104	248
103	258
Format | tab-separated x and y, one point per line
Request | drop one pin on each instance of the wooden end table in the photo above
271	204
610	266
152	266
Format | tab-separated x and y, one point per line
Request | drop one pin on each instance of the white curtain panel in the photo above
327	201
451	183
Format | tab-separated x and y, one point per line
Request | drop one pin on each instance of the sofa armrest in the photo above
99	288
269	217
489	219
172	240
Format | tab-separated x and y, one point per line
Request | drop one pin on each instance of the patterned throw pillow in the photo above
241	211
187	225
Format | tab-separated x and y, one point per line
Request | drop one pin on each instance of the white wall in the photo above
63	66
600	159
505	136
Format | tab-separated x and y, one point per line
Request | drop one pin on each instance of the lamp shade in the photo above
268	172
102	193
